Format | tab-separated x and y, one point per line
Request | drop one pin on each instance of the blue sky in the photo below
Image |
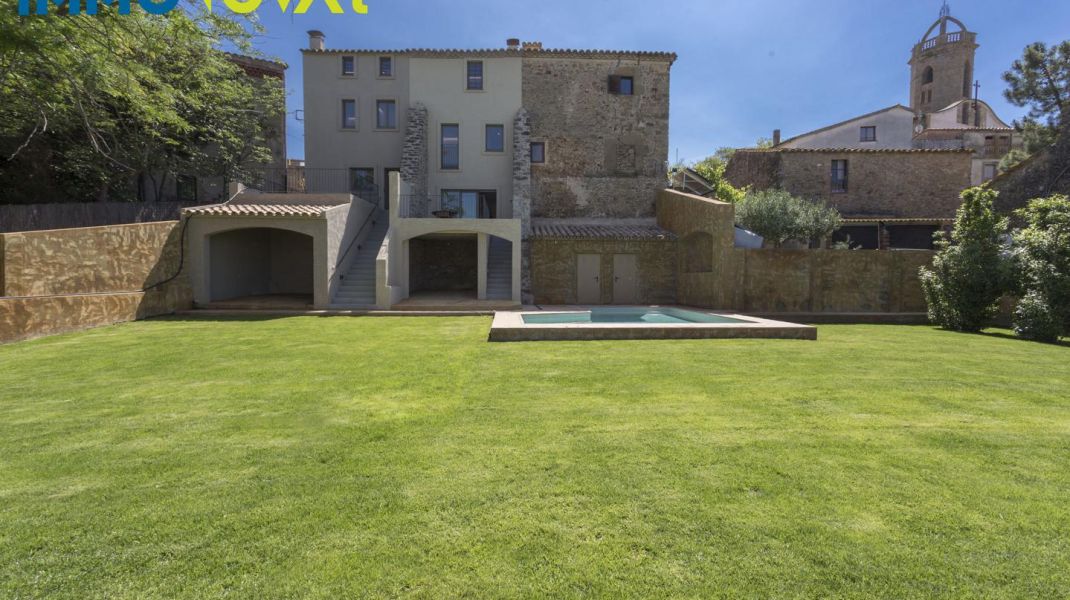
745	66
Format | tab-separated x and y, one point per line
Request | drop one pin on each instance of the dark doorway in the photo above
863	237
912	237
443	263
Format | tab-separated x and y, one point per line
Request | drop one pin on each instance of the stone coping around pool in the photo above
509	326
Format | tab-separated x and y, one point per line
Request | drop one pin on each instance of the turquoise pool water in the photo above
627	315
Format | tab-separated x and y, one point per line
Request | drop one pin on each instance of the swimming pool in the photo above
627	315
636	323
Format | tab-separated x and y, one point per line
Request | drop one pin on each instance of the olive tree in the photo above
778	217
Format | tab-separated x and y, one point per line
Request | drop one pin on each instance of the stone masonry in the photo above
605	153
882	183
414	159
522	196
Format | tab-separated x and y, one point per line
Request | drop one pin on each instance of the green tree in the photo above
712	169
778	217
1040	79
1042	255
970	272
91	102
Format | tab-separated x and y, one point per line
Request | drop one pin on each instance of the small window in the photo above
386	114
538	152
839	176
495	141
868	134
927	76
989	172
621	85
361	180
349	114
386	66
475	75
451	147
349	66
186	188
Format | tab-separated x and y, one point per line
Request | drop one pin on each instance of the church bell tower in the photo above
941	65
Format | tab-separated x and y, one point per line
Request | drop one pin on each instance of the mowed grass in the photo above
381	457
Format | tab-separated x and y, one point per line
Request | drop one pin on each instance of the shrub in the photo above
1042	255
969	273
712	169
778	217
1034	319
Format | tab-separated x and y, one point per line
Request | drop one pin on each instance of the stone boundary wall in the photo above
70	279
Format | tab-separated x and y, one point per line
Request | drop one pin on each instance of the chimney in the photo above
776	137
316	39
513	43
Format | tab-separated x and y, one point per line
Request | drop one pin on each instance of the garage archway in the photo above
261	261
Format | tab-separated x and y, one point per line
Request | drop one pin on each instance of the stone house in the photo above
445	176
896	173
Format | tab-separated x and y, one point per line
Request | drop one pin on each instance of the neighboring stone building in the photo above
896	173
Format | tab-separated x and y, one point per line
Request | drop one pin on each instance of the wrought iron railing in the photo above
426	207
301	180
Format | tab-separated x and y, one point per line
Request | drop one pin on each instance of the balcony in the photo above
451	205
302	180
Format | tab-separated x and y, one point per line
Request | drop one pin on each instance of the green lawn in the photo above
384	457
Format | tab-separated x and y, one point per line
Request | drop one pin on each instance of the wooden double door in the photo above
589	278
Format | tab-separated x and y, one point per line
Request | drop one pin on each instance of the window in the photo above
495	141
349	114
186	188
361	180
839	176
927	76
386	66
621	85
386	114
538	152
868	134
451	147
475	75
349	66
988	172
471	204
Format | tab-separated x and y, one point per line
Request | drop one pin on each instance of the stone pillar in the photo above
522	195
414	160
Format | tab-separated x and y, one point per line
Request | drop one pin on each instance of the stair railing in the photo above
353	242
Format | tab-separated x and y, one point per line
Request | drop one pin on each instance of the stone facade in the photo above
71	279
1045	173
941	66
522	170
554	276
414	159
605	153
884	183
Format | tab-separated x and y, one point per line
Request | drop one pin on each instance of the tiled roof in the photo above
503	52
307	211
602	232
858	150
920	220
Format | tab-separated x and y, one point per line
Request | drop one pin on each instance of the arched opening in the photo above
927	75
259	262
698	252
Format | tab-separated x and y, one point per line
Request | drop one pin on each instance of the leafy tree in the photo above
1042	254
91	102
1040	79
712	169
778	217
970	272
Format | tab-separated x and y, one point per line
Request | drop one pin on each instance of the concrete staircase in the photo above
499	269
357	287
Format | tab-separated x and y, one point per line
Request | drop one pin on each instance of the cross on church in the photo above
945	10
976	90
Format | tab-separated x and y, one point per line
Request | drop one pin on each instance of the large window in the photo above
386	66
349	114
621	85
868	134
839	176
451	147
386	114
349	66
361	179
471	204
495	141
538	153
475	75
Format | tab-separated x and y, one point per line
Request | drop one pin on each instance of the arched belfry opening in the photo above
941	64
